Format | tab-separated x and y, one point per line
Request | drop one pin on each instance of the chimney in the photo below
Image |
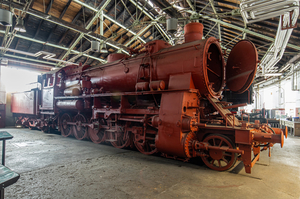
193	32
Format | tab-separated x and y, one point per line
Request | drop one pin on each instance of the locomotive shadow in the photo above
194	163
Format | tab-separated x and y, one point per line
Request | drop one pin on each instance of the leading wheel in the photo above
80	131
66	129
218	159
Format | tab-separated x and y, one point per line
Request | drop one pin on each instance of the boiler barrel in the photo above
202	58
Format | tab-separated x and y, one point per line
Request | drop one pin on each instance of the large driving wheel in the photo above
80	131
65	129
146	145
218	159
123	139
96	134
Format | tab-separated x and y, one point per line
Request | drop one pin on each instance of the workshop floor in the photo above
52	166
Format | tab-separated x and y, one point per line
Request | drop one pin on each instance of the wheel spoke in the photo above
144	145
225	160
217	159
80	131
64	127
221	143
122	140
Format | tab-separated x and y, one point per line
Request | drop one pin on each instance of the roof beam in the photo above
41	23
65	34
167	8
49	6
29	59
245	30
65	9
53	45
139	34
153	19
68	25
107	17
99	12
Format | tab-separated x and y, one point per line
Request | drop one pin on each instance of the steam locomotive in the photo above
162	99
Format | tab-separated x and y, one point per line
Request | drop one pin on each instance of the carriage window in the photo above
50	79
45	83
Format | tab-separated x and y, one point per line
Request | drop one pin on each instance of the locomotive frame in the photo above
162	99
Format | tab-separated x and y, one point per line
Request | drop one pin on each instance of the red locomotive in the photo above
162	99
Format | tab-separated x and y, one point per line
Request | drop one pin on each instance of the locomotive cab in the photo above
49	88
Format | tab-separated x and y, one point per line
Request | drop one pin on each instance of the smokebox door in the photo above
241	66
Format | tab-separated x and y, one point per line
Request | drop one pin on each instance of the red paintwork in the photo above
241	67
116	57
24	102
161	99
193	32
186	58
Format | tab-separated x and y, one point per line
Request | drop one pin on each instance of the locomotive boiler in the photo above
163	98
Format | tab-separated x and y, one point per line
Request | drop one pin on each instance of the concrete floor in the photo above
52	166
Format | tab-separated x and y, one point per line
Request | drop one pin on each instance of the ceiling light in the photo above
95	46
172	25
104	49
5	17
20	25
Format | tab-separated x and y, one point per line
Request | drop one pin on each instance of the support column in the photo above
101	23
257	98
280	103
2	89
2	101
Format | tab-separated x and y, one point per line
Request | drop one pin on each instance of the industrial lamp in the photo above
5	17
103	48
20	25
95	46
